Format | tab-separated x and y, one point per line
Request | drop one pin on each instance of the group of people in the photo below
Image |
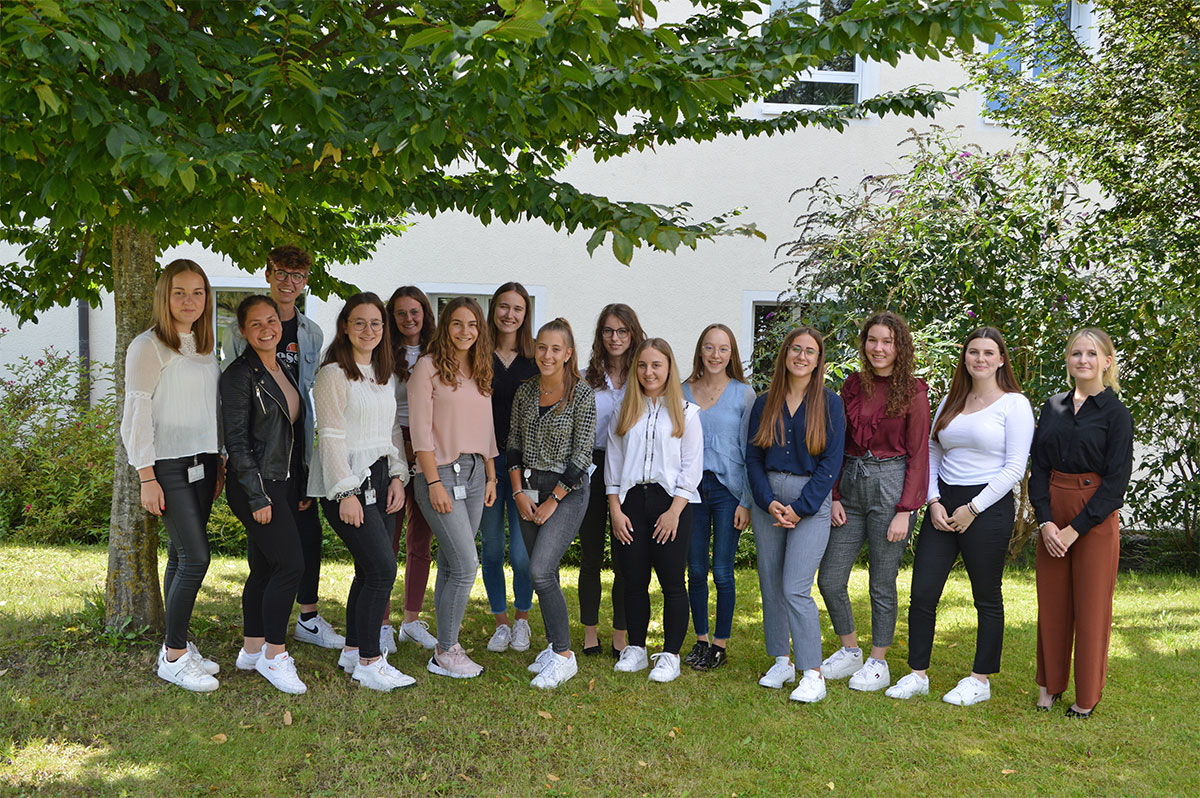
456	423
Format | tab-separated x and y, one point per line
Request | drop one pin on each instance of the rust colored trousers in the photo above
1075	595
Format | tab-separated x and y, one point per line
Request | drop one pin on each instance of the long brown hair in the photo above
445	355
1111	378
163	326
634	403
525	331
733	369
816	414
428	325
598	364
341	351
571	367
902	383
962	382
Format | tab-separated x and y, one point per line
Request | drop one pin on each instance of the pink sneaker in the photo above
454	663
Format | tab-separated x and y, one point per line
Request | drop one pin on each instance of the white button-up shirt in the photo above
649	452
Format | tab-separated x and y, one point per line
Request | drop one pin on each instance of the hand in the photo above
741	518
898	528
262	516
350	510
525	507
440	499
152	498
790	516
489	493
622	527
837	514
1051	541
220	486
395	496
938	517
961	519
665	527
304	504
544	510
778	511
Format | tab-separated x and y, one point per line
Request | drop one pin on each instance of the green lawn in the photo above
81	717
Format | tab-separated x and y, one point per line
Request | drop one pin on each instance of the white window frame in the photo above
537	293
751	300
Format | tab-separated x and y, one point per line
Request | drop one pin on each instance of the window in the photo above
836	82
440	295
228	293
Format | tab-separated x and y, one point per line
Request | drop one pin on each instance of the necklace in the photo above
548	391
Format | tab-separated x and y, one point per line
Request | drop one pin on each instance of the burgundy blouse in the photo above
867	428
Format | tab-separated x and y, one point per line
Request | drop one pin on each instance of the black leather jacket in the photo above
259	439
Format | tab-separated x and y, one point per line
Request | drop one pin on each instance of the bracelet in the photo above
346	494
971	508
1042	525
152	479
933	501
435	482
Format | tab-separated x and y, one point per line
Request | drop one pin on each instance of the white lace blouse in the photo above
356	425
171	401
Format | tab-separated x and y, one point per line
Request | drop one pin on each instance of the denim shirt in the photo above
726	424
309	338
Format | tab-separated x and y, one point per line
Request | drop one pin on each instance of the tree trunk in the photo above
132	590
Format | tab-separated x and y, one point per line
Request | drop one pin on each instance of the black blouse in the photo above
505	381
1099	438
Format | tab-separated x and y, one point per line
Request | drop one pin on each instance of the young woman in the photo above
452	434
264	425
169	429
718	387
411	324
793	455
618	336
359	474
1082	461
653	465
977	454
509	322
884	480
549	453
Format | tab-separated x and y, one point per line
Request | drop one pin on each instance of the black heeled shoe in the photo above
1053	700
592	651
1081	714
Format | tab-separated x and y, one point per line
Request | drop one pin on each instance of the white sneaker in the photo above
557	671
207	665
872	676
521	633
418	632
908	687
187	672
666	667
811	688
245	660
633	658
842	663
500	638
387	639
318	632
280	671
348	660
543	659
381	676
454	663
968	691
779	674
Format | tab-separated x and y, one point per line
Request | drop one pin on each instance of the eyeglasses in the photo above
609	332
801	350
404	314
296	277
708	349
358	325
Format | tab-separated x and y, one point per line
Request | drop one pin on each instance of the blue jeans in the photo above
713	514
492	531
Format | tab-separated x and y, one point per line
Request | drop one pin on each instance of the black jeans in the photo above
643	505
374	563
276	560
593	533
308	526
188	505
984	548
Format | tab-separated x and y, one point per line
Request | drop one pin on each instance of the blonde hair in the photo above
1111	375
634	404
164	327
571	366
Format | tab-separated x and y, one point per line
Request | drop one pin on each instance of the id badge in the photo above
369	496
460	492
591	470
532	494
196	473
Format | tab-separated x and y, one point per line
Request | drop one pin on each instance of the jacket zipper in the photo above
292	436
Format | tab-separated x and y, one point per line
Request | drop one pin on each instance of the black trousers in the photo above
308	527
643	505
188	505
593	533
374	563
276	560
984	548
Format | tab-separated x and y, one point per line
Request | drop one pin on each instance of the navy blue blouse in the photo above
792	456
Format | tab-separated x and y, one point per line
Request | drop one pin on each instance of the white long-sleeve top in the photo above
988	447
608	406
649	452
171	400
356	425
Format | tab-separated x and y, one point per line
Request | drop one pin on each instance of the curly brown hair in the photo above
445	355
902	383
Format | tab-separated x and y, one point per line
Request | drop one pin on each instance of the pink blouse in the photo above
446	420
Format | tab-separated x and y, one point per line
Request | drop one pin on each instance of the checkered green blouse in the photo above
559	440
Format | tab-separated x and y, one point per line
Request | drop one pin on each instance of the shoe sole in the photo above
190	689
828	676
779	686
365	686
500	650
434	668
805	700
247	668
316	641
515	647
403	637
662	681
871	688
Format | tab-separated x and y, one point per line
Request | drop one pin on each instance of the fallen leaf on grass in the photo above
1008	772
6	671
485	732
671	734
641	764
677	730
552	777
543	713
287	718
569	728
464	777
830	785
219	738
245	725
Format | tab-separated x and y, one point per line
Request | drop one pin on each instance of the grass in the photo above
82	716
